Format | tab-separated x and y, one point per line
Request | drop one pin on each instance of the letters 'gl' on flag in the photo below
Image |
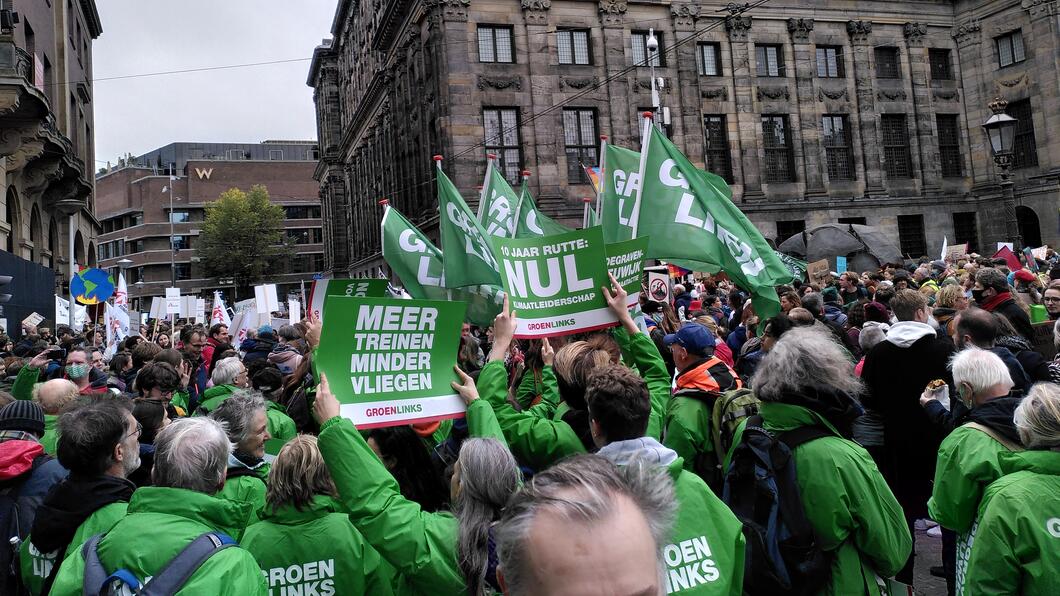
468	258
687	215
621	182
532	222
499	205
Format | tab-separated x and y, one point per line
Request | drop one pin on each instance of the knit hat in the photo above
830	294
22	415
874	311
1025	276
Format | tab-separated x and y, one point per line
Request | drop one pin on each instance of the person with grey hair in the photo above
229	377
164	519
544	543
806	380
287	353
1013	550
682	302
968	457
243	416
993	294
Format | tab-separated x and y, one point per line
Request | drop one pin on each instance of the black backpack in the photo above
17	512
783	553
166	582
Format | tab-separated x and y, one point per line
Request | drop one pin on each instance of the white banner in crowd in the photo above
265	299
219	314
294	308
62	313
158	308
121	294
172	301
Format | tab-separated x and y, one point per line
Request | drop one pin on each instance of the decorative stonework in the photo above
536	11
966	32
612	12
764	93
946	95
449	10
888	95
499	83
738	28
644	86
719	93
800	29
1012	82
684	15
1039	8
577	83
914	32
859	31
825	93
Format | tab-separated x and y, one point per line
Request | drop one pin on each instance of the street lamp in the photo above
172	249
1001	131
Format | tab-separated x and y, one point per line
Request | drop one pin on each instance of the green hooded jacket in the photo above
161	521
1016	542
421	546
37	566
249	489
846	500
281	427
316	551
967	464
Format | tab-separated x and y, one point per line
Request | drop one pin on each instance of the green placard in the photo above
554	282
625	260
390	361
357	288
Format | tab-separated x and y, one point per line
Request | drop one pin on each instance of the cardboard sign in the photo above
390	361
555	283
356	288
1039	253
1043	339
173	301
624	261
956	252
817	270
32	320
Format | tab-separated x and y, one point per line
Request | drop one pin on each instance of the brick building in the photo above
816	111
135	211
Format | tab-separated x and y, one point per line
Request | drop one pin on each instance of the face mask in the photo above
77	371
977	295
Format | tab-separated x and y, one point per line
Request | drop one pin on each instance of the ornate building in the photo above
815	113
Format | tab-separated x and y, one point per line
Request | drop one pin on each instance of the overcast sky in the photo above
249	104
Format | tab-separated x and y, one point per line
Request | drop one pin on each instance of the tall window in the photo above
895	146
949	137
776	137
182	271
788	228
502	139
911	235
579	139
181	242
830	62
495	44
708	59
941	66
716	154
179	216
1010	48
837	147
573	46
887	63
769	60
965	229
1024	149
641	55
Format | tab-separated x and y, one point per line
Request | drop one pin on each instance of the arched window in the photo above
14	219
53	242
36	235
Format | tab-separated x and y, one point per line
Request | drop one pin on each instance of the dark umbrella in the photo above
864	246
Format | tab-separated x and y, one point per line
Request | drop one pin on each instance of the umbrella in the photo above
864	246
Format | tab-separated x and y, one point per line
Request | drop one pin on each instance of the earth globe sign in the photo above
91	286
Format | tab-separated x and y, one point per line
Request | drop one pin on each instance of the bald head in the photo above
52	396
977	327
800	316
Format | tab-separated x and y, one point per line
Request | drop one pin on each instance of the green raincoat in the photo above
36	566
847	501
160	523
247	489
281	427
316	551
1016	542
967	464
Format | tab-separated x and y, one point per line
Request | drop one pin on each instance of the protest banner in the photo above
817	270
620	184
172	301
390	361
358	288
294	311
796	267
531	221
33	319
158	308
498	204
659	287
1040	252
554	282
1043	339
265	299
624	261
955	252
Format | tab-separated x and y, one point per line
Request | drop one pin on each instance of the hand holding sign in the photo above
325	405
503	331
466	387
547	353
616	301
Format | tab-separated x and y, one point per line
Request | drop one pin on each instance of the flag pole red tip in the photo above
587	200
384	202
491	156
603	137
437	158
526	173
648	115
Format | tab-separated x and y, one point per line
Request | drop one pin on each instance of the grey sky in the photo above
249	104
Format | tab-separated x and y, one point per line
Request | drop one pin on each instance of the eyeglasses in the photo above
139	430
1051	299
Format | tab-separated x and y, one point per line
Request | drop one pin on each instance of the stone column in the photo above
923	112
543	161
689	133
1045	31
860	32
748	123
454	49
809	114
612	19
969	48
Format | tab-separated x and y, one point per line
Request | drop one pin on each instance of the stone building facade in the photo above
816	111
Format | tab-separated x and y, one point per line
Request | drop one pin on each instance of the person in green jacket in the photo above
539	441
807	380
229	374
705	550
1016	540
163	519
435	553
243	416
305	543
99	445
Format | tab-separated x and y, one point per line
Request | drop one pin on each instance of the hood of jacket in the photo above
996	415
645	449
943	314
258	345
906	333
837	408
1038	461
782	417
70	503
16	457
289	515
285	357
212	397
224	515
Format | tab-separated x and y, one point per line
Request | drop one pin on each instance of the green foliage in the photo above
242	236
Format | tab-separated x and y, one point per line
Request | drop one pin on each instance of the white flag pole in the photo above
603	163
485	183
645	138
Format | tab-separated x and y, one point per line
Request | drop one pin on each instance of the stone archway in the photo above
79	249
91	254
13	217
36	235
1029	226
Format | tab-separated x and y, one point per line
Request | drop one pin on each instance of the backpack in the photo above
730	410
783	554
17	512
168	581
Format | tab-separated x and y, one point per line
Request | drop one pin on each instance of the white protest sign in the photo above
172	301
266	299
294	307
32	320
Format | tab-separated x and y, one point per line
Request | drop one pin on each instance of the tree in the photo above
242	236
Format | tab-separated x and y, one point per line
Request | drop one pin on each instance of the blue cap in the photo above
265	329
692	337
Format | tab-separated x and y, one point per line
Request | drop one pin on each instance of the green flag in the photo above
532	222
796	267
468	258
499	202
621	179
418	264
687	216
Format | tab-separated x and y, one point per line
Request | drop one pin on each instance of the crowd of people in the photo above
700	450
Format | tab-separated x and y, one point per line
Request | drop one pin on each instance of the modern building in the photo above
134	207
866	112
47	226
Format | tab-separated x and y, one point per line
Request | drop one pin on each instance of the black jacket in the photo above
1017	316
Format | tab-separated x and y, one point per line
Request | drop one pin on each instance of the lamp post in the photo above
172	249
1001	131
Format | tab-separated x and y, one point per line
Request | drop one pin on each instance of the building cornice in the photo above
95	26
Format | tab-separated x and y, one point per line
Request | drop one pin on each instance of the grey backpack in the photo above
167	582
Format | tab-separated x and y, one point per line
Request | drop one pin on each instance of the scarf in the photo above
993	302
70	503
838	408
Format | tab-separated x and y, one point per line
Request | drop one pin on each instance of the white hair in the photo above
804	360
226	370
237	413
192	453
871	334
981	369
1038	417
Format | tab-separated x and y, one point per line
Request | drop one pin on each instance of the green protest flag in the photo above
555	283
468	258
678	201
796	267
418	264
625	261
621	180
499	204
531	221
361	288
390	361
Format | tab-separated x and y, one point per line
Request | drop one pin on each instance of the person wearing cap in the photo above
261	347
701	378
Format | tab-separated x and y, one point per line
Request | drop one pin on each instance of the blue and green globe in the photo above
91	286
